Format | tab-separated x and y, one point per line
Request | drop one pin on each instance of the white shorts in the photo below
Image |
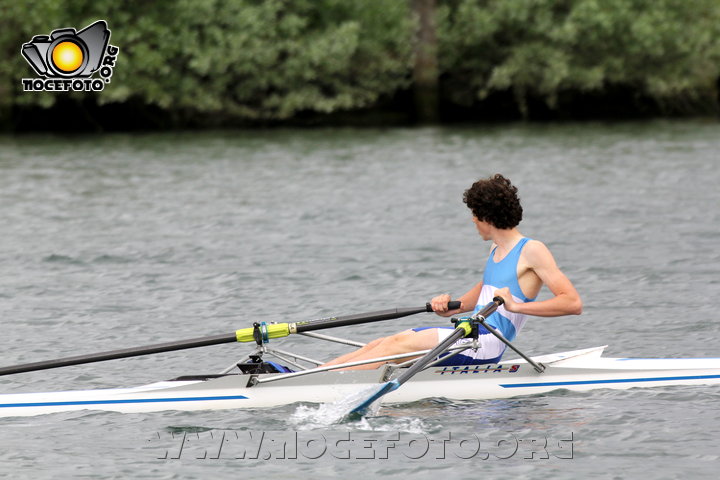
490	349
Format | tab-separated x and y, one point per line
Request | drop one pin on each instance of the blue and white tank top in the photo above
499	275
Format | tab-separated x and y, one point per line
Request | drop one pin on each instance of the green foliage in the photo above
261	60
17	26
668	50
252	59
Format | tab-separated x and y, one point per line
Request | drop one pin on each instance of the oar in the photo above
264	331
462	330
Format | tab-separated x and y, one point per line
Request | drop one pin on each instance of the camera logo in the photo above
67	59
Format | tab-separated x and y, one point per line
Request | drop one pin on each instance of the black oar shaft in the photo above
355	319
122	353
420	364
537	366
216	339
456	335
366	317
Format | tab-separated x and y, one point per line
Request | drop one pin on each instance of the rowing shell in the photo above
578	370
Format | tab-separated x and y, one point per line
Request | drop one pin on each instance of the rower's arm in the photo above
565	300
470	298
467	302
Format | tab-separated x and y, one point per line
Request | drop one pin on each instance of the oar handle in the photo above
490	308
454	305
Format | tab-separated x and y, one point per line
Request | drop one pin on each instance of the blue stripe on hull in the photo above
114	402
600	382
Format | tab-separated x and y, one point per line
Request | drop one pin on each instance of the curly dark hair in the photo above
494	200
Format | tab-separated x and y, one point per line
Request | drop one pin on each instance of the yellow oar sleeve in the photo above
274	330
466	325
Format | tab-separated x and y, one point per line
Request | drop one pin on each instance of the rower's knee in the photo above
399	341
374	343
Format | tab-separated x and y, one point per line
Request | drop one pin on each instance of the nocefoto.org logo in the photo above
67	59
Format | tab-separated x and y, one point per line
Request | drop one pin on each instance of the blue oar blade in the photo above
363	407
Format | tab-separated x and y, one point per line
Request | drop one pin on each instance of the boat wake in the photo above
327	414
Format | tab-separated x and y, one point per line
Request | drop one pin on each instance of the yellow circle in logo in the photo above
67	56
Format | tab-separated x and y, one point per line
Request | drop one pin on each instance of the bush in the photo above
668	50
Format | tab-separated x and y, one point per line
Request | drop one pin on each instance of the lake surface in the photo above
123	240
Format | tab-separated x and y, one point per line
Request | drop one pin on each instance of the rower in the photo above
516	270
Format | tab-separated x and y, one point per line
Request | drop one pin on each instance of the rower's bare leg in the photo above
403	342
349	357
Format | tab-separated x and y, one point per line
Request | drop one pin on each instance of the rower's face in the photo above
482	227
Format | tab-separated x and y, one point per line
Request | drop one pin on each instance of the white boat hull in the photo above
579	370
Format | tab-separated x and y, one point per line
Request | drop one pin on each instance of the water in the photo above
123	240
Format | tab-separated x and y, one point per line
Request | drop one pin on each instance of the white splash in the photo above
327	414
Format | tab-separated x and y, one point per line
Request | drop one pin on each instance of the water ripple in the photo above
116	241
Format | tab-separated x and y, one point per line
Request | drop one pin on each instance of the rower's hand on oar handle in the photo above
504	296
454	305
443	304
